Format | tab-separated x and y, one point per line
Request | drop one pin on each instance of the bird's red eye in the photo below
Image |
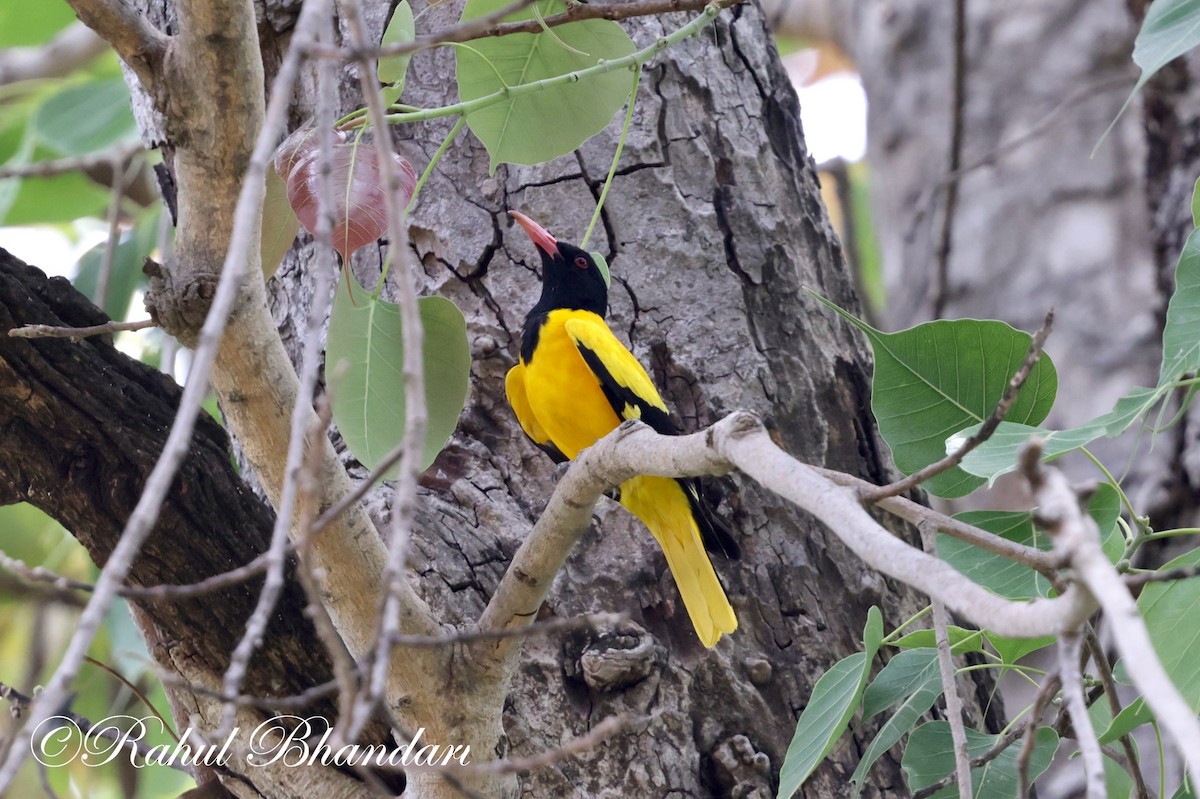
581	262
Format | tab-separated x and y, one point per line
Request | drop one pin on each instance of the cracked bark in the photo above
83	425
713	302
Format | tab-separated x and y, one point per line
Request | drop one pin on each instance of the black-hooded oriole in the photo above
576	382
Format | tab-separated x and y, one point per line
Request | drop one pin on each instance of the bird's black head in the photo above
570	277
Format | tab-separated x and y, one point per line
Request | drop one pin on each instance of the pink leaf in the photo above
359	194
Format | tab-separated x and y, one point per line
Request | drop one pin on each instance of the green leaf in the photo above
830	708
914	706
126	275
937	378
1170	611
1132	716
86	117
903	675
1184	791
59	199
365	363
1105	508
1169	29
536	127
401	29
1011	650
998	455
961	640
1181	336
929	757
602	265
279	225
1196	204
994	572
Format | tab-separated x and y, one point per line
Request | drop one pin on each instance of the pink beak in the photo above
537	234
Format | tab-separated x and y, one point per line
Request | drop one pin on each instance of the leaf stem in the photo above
433	162
630	61
612	170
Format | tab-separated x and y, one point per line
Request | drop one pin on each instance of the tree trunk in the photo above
1038	221
713	230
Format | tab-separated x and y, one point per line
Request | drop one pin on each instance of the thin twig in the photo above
20	703
79	163
958	102
1044	563
134	38
40	575
71	49
1076	535
492	24
306	30
1070	648
998	749
1011	392
412	337
586	621
954	706
123	171
345	670
1104	671
1139	579
139	44
78	333
1046	692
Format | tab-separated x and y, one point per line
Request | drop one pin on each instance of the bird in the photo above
575	382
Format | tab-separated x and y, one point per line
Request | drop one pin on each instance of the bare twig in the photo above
1104	671
1044	563
123	170
121	153
345	670
1076	535
412	336
1001	746
740	441
492	24
954	707
1046	692
134	39
1070	648
586	621
1139	579
72	48
139	44
958	103
1011	392
77	333
20	706
256	625
40	575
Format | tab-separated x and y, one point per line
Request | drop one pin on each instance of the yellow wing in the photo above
661	503
514	389
628	388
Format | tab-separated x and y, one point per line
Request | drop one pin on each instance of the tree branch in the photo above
1070	652
1011	392
1077	537
72	48
740	441
139	44
954	707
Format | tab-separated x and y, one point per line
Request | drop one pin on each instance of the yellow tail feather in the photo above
660	503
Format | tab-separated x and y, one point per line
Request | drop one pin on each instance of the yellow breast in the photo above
562	391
